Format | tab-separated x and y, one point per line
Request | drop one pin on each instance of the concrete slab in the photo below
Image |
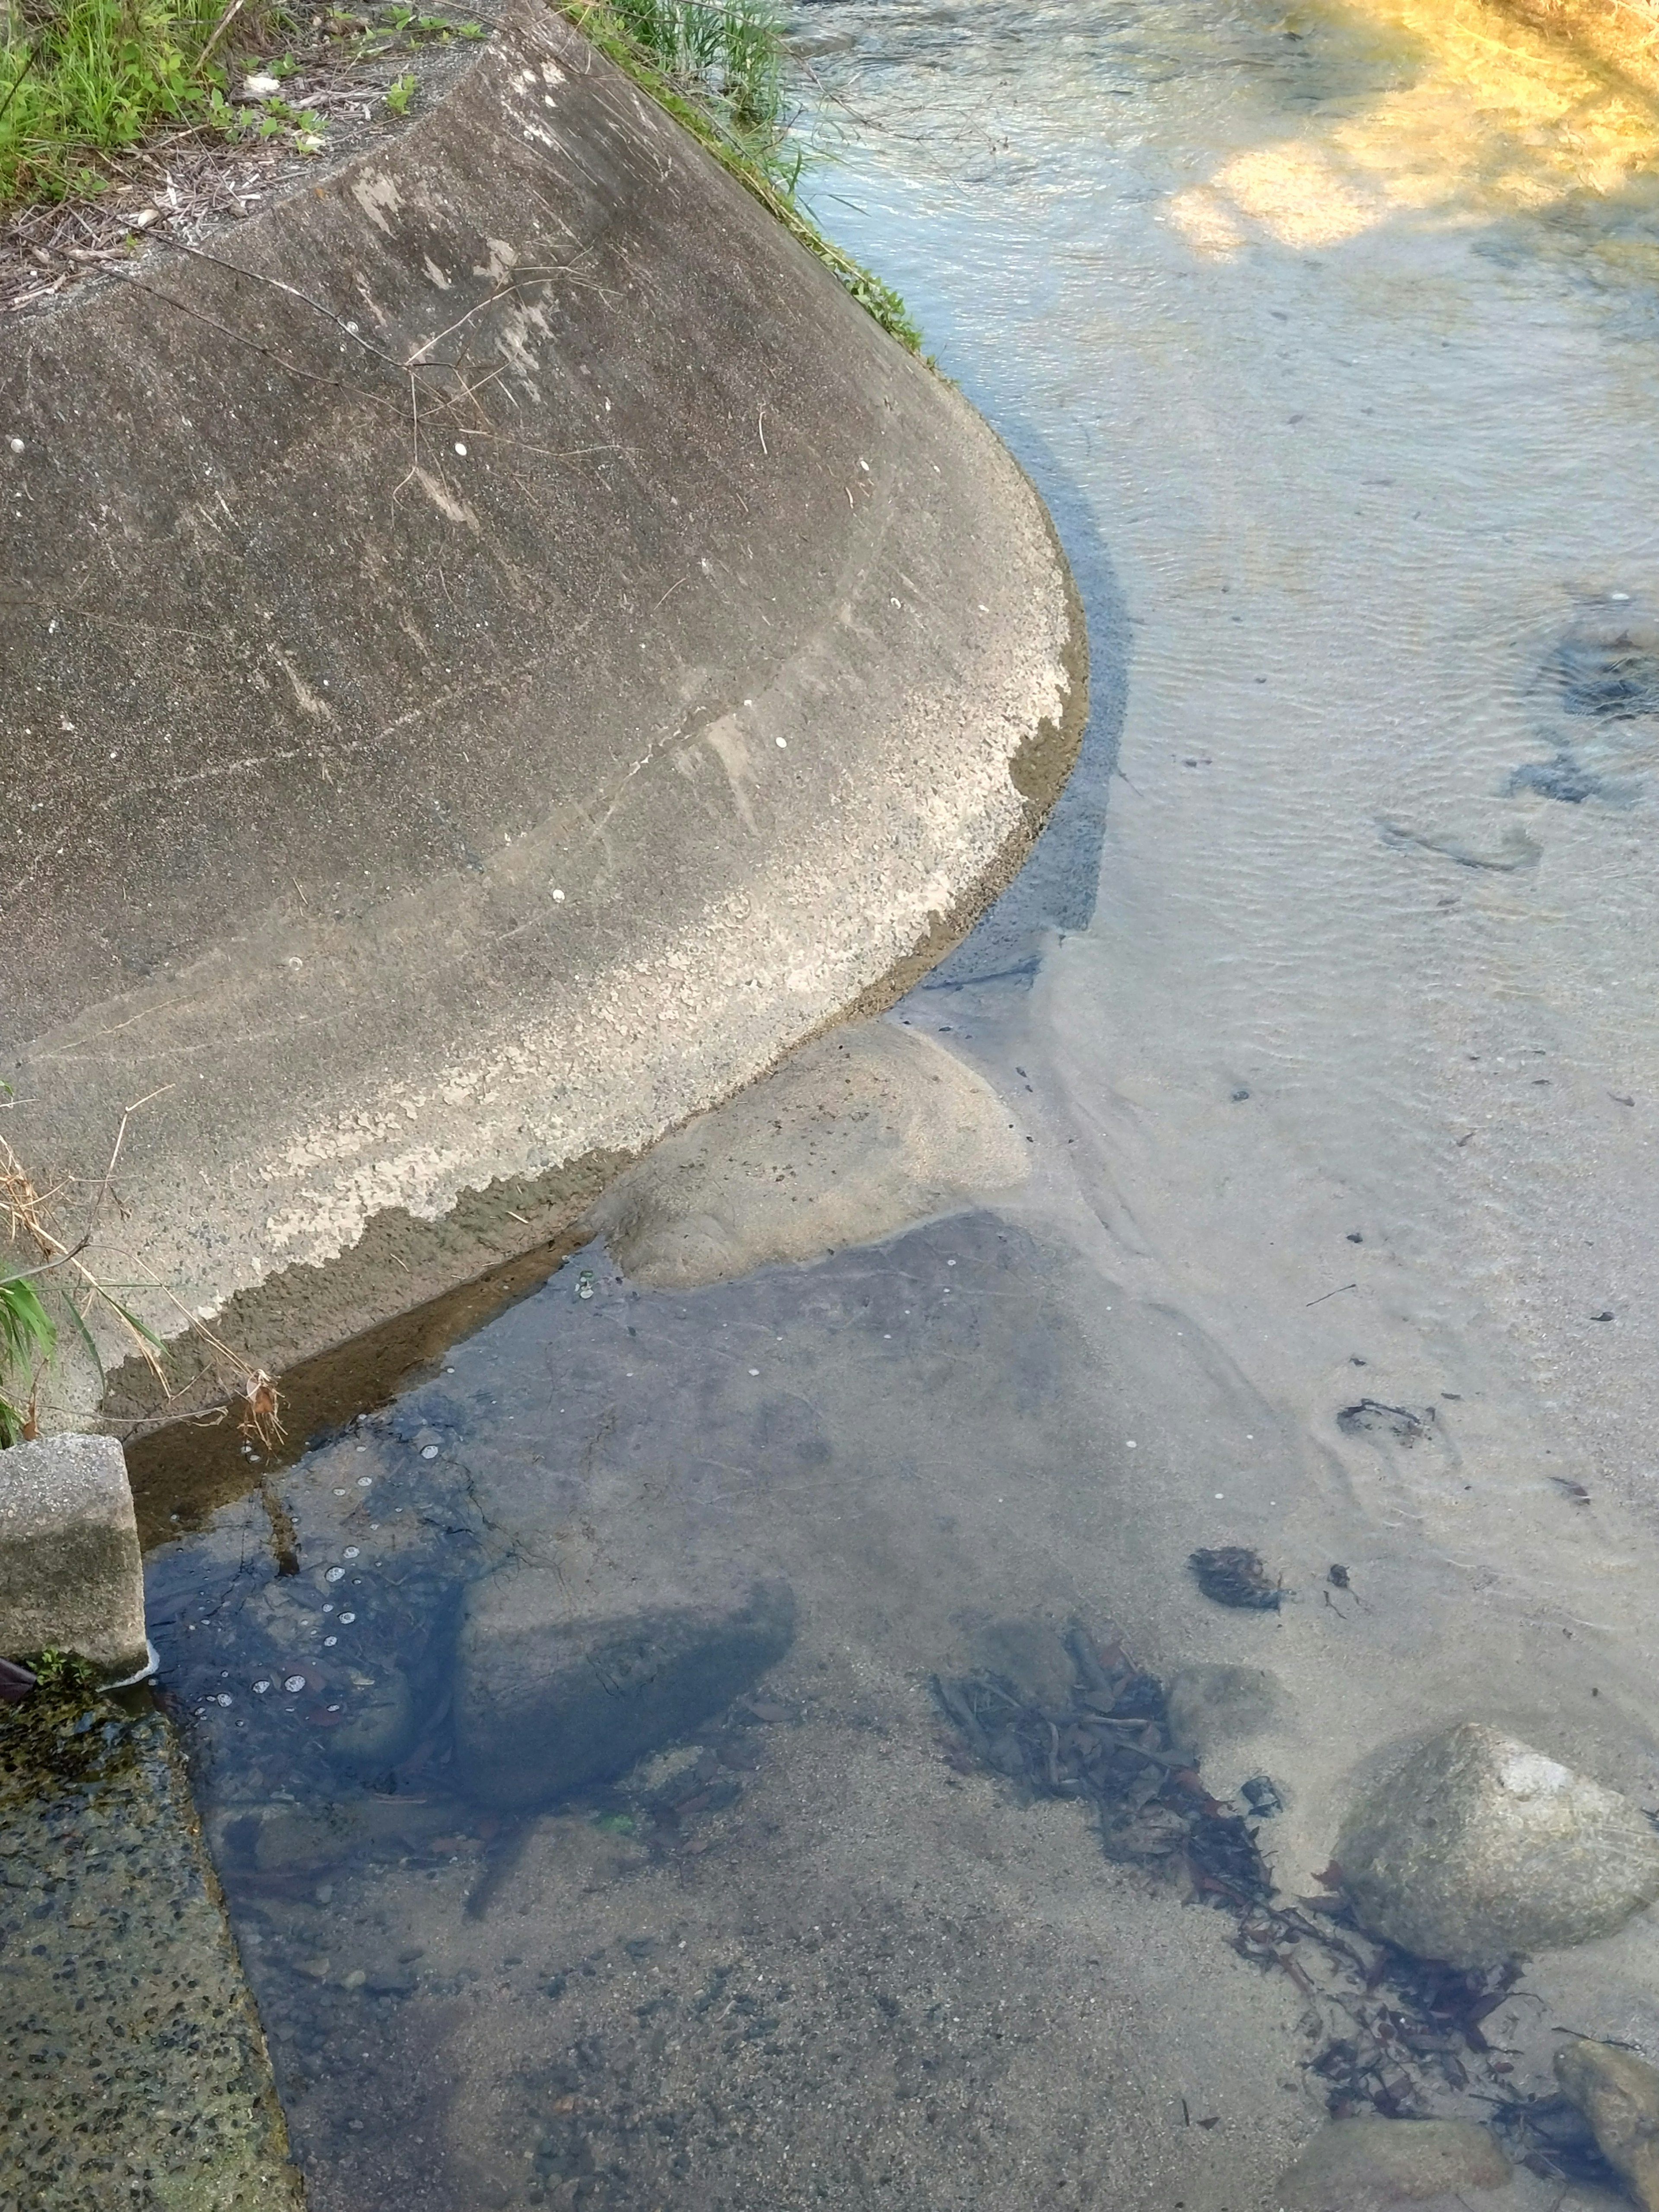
512	650
132	2071
71	1577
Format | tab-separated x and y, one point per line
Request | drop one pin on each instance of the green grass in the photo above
85	79
728	53
717	66
82	81
29	1337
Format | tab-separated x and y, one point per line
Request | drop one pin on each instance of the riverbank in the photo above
678	666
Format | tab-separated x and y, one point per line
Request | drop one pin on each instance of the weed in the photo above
63	1672
29	1337
45	1284
47	1287
717	66
83	80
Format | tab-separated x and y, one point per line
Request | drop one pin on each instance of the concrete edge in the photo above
188	1455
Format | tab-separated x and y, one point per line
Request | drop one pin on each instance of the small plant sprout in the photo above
401	91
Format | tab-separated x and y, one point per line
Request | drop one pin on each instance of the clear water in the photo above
1328	1003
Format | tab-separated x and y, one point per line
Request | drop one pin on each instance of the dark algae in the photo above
1109	1743
1405	1424
1233	1576
1388	2032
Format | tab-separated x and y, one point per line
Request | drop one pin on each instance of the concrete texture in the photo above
133	2072
70	1576
865	1131
511	650
1480	1849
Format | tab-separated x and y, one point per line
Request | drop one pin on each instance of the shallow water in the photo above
1328	1005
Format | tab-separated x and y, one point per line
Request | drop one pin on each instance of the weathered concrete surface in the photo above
70	1576
132	2070
865	1131
474	707
1481	1848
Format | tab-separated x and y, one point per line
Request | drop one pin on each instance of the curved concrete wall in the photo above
495	651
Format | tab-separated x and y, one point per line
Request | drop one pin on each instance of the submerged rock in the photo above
1211	1705
1353	2166
1480	1849
1618	2095
857	1135
549	1698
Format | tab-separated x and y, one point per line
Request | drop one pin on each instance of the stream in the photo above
1329	1004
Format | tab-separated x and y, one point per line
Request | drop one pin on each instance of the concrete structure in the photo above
133	2071
496	651
71	1577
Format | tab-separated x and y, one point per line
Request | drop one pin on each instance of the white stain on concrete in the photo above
378	197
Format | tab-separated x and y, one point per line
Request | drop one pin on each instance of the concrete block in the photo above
133	2071
70	1574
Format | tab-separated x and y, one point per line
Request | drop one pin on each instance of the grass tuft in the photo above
717	66
82	82
29	1337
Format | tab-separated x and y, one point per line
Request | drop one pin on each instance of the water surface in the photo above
1328	1005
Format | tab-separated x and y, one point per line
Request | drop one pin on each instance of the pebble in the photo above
293	1683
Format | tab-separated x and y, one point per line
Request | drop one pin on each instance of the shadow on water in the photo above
1055	890
772	1947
